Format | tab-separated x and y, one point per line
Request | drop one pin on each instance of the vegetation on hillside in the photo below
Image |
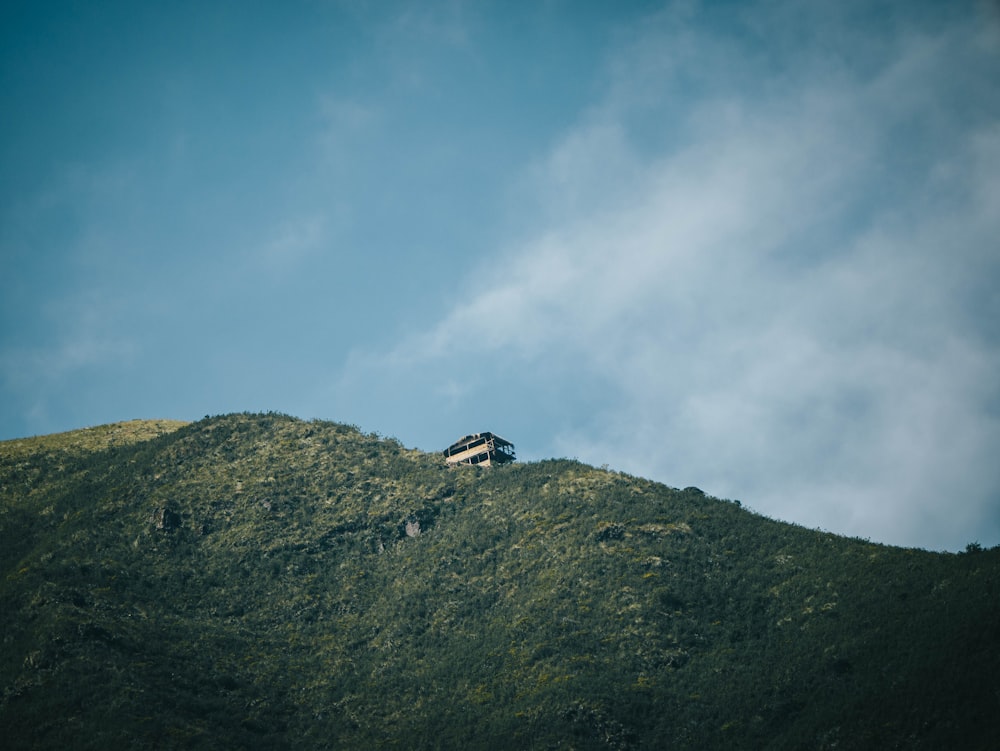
89	439
256	581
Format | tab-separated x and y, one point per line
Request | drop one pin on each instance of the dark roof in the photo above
476	436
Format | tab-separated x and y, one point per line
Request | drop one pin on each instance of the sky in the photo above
748	246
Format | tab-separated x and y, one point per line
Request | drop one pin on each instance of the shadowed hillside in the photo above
256	581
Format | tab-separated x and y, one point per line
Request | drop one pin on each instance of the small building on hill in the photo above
484	449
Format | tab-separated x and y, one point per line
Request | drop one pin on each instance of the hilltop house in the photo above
480	448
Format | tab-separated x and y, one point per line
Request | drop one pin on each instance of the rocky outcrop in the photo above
165	519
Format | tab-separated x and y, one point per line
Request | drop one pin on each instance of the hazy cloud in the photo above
85	338
293	242
784	288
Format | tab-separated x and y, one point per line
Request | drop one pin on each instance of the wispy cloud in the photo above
344	121
441	23
292	243
781	287
86	339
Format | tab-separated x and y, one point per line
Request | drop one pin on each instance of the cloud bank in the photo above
765	270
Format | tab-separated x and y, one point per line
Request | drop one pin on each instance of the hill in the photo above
256	581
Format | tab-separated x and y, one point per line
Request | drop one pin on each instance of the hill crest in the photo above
94	438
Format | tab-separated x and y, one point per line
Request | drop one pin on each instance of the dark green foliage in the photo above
255	581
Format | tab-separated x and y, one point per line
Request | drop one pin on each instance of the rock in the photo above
608	531
166	520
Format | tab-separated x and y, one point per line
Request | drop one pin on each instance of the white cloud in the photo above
783	291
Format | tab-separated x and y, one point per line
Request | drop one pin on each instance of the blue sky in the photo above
748	246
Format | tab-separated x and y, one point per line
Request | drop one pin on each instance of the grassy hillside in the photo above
89	439
255	581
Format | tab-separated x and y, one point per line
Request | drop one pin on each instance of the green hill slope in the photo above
255	581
